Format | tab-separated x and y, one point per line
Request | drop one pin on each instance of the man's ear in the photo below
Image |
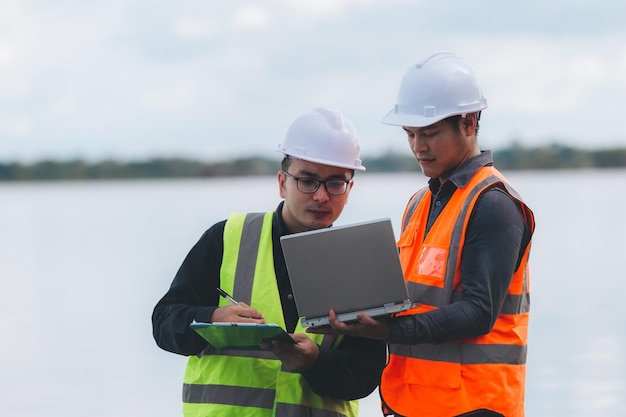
468	124
281	184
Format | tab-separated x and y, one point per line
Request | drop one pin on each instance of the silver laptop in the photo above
351	269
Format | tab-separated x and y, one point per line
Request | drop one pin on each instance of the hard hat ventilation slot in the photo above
430	111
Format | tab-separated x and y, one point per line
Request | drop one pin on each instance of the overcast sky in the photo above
216	79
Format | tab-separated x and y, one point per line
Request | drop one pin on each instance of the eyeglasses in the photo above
310	185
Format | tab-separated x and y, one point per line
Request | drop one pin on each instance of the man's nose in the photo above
418	145
321	194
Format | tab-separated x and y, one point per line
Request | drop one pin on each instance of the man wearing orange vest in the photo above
464	247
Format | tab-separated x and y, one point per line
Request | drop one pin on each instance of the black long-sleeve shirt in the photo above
495	241
350	371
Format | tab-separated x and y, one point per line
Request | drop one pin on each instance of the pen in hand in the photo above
227	296
248	312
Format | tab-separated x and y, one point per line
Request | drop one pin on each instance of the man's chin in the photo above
320	222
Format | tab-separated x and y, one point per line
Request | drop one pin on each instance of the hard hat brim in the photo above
356	166
416	120
410	120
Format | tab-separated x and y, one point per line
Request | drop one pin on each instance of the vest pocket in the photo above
431	266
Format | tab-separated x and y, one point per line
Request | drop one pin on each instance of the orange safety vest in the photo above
484	372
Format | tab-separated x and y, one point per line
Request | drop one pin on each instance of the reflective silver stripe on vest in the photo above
437	297
516	303
249	244
412	206
256	354
457	233
290	410
228	395
241	395
465	354
442	296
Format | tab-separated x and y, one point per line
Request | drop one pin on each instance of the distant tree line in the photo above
151	168
515	157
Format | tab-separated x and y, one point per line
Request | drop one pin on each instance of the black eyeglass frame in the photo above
318	183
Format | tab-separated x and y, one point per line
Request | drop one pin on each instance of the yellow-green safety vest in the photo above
251	383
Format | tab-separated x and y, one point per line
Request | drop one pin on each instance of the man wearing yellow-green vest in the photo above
319	375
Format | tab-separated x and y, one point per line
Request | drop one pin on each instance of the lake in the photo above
83	263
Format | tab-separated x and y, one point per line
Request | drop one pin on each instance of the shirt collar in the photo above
278	220
464	172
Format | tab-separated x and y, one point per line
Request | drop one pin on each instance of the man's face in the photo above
439	148
302	211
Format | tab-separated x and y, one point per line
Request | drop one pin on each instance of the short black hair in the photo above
286	163
454	122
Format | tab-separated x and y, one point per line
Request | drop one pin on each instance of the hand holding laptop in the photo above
363	326
296	357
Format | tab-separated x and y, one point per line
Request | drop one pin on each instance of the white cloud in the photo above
196	26
15	125
64	107
317	8
120	72
7	54
251	18
588	69
536	76
177	97
327	8
618	67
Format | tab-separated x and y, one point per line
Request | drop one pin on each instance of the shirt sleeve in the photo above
350	371
191	296
495	240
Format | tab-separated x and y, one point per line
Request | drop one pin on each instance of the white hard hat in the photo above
325	137
436	87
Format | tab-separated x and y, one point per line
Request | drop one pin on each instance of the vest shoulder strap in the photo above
411	206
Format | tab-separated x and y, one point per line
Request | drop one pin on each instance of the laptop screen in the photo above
353	268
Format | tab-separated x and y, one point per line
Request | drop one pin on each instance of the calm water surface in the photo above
82	265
